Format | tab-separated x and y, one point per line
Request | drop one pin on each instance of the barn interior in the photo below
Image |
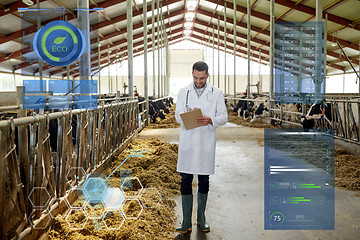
88	135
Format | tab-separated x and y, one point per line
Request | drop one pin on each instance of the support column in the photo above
235	46
146	90
99	81
41	111
248	46
325	49
300	62
318	43
158	45
344	74
84	26
109	77
13	71
68	72
122	72
153	43
225	41
167	68
260	79
271	60
116	71
38	28
130	46
162	53
167	63
218	29
213	54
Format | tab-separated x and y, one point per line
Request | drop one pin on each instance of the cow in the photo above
247	109
53	132
162	106
253	109
155	111
152	112
238	105
295	108
317	112
169	101
259	111
157	108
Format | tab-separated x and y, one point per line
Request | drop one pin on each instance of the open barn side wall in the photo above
121	80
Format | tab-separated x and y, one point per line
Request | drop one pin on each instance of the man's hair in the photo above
200	66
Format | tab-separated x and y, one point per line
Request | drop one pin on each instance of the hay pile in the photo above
168	122
233	117
157	169
347	170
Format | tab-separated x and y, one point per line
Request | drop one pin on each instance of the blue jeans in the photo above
186	183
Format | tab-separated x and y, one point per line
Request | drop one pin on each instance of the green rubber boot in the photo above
187	204
201	221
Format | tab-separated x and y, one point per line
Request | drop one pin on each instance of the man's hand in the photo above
204	121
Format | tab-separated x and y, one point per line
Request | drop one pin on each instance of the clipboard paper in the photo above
189	119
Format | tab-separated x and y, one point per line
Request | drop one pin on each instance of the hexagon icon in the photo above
95	189
44	197
79	201
114	198
76	218
44	216
113	219
94	210
150	198
75	173
132	187
132	209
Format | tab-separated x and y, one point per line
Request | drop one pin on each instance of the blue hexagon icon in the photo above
95	190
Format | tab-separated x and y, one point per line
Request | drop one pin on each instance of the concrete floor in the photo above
235	207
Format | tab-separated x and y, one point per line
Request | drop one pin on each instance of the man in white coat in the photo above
197	145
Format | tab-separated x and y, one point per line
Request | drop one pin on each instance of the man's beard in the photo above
203	85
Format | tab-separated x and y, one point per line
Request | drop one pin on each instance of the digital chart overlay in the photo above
299	180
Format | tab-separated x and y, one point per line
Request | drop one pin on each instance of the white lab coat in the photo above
197	146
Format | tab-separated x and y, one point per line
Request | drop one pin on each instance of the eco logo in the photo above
59	43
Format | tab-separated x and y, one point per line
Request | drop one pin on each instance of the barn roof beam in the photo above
124	49
93	40
118	43
309	10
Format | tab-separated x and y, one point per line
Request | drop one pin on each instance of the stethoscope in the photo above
187	98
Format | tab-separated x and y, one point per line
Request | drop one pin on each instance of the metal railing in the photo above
28	163
345	116
86	140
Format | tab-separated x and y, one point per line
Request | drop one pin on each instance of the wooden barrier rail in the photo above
31	172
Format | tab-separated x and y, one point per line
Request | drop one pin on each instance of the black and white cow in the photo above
53	132
162	106
238	105
317	112
169	102
294	108
247	109
155	111
259	111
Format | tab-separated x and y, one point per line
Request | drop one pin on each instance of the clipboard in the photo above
189	118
